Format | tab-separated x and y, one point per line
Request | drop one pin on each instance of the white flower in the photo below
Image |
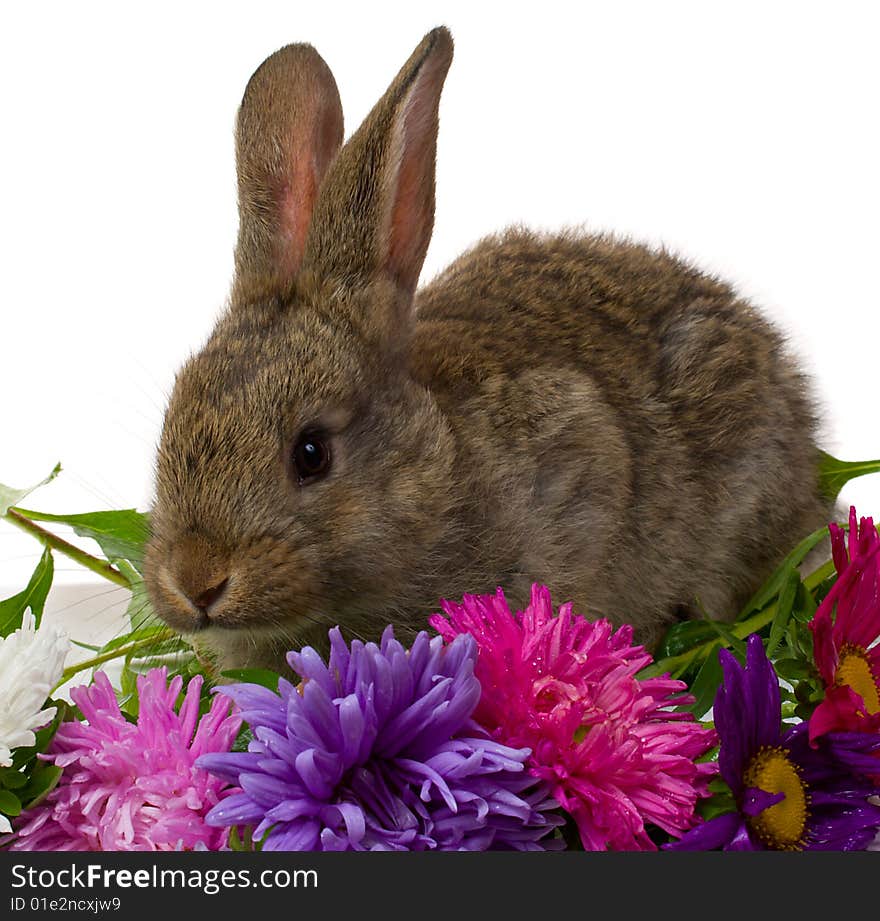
31	663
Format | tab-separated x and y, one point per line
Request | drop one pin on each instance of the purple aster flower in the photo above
789	796
377	751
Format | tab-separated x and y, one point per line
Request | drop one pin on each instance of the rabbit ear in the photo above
375	214
288	131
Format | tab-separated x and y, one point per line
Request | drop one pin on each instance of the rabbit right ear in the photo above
375	213
288	131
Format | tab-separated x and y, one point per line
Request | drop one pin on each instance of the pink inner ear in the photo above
310	153
414	150
412	219
295	201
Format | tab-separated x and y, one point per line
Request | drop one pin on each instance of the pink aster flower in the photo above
845	648
133	786
613	752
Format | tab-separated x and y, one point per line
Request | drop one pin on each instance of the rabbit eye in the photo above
311	457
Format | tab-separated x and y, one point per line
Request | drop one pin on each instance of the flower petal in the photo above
755	800
709	836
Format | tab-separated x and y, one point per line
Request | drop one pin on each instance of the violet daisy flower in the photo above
845	649
789	795
377	751
616	756
133	786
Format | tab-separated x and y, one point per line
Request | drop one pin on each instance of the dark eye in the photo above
311	457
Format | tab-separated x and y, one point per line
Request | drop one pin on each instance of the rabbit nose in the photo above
205	599
200	571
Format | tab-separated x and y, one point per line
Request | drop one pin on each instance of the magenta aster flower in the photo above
133	786
613	752
789	796
376	751
845	648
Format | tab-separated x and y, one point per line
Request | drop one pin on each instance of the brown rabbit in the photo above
574	410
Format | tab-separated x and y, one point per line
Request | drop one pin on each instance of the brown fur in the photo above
569	409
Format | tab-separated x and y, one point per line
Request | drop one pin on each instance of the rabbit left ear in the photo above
288	131
375	213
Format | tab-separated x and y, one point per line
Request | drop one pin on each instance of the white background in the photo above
743	135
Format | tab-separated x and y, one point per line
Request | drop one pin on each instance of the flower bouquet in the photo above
538	729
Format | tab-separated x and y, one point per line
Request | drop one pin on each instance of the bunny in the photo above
575	410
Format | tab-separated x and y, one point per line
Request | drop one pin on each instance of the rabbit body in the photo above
642	440
568	409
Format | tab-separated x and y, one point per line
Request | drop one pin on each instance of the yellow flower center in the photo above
781	827
855	670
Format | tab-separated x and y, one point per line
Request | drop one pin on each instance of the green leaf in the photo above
793	642
683	636
12	779
804	711
716	805
788	708
730	638
261	676
719	785
774	585
234	842
10	496
808	693
706	684
128	696
12	610
243	739
834	474
805	643
675	666
43	780
823	588
143	633
10	804
783	611
804	605
121	534
792	669
239	843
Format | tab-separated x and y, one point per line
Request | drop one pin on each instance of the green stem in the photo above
99	566
125	650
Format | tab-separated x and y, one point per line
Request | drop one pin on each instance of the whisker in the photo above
92	597
93	490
